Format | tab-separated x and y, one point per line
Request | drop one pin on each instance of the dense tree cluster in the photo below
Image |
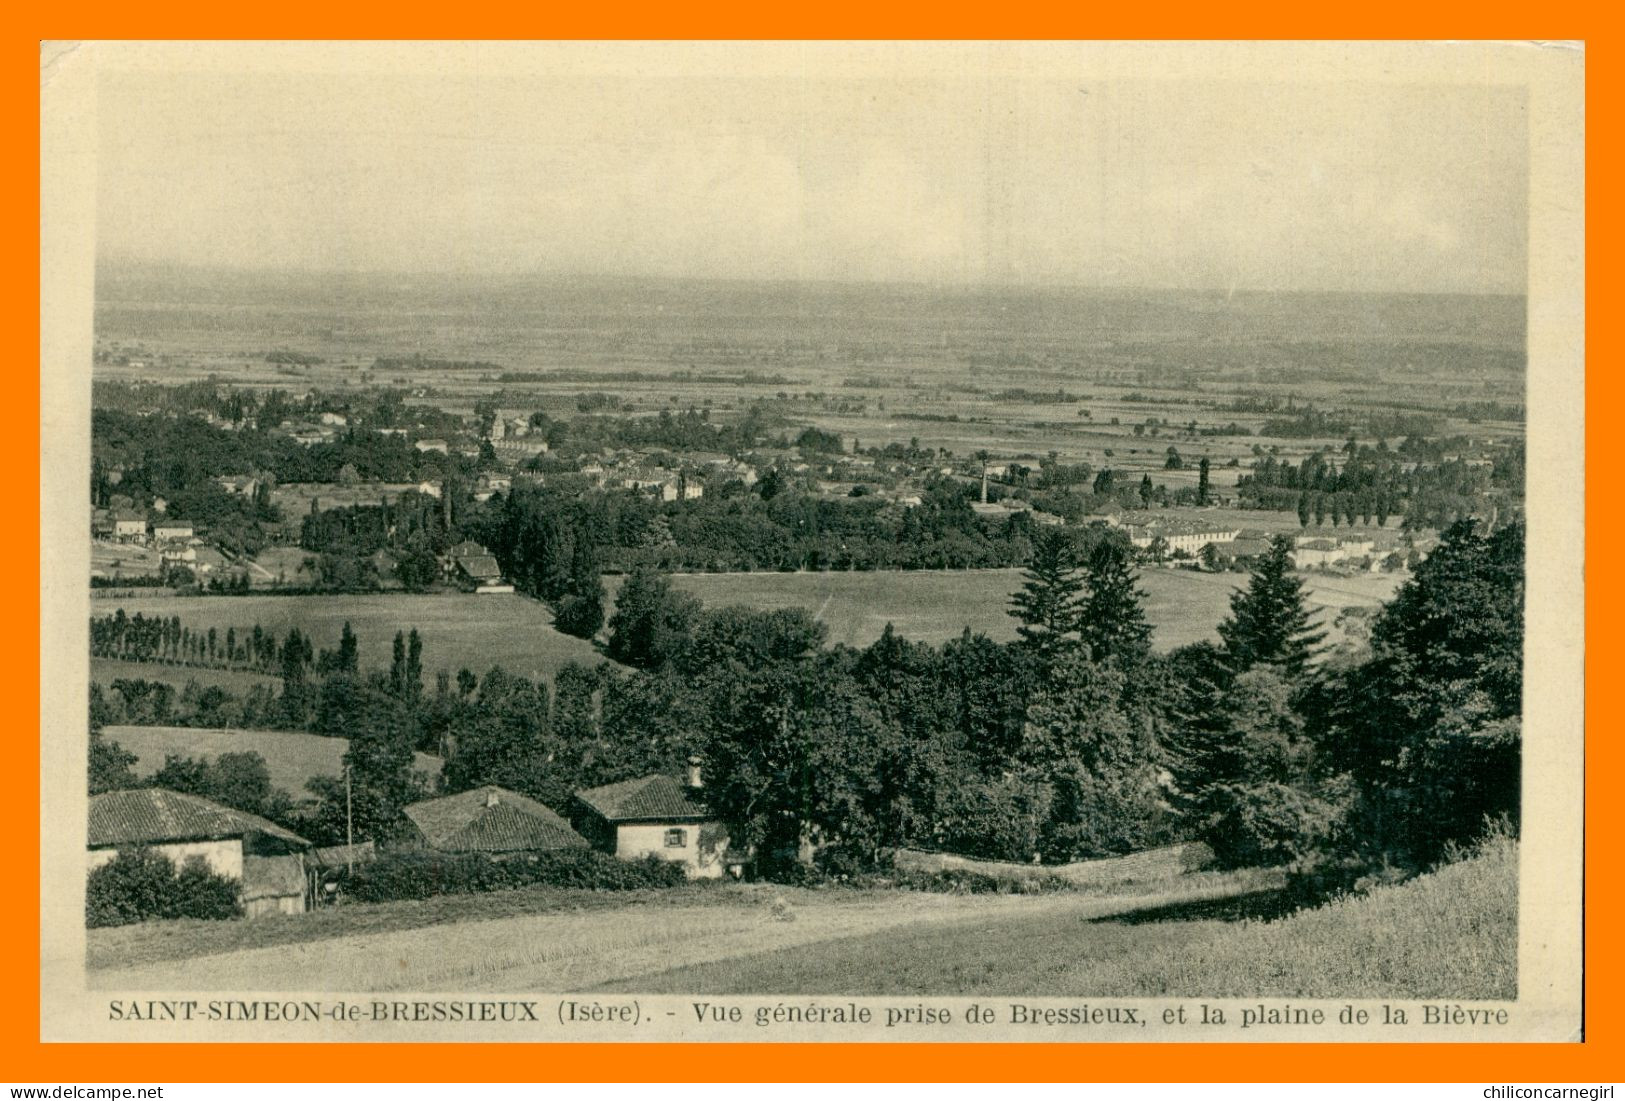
1429	729
547	537
1374	483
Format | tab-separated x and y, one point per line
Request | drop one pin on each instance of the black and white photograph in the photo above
774	541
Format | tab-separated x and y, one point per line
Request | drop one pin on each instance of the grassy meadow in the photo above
123	560
104	671
1451	934
1184	606
290	757
459	630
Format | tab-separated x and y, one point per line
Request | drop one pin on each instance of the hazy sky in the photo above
963	177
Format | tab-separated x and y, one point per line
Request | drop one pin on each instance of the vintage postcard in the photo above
812	541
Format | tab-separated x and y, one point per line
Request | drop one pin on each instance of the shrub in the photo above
847	862
423	874
963	881
1267	824
141	885
200	893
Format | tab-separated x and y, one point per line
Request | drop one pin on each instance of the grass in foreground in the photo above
1039	954
548	939
1449	934
154	942
563	948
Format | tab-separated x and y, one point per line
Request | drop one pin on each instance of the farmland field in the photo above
1184	606
476	632
292	758
515	632
122	560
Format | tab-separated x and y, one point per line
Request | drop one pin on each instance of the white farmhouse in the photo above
655	816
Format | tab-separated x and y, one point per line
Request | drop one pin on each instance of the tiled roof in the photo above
480	566
152	816
652	798
491	819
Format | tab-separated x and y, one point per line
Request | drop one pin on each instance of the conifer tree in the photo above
349	657
1111	615
414	667
397	666
1050	600
1269	622
580	611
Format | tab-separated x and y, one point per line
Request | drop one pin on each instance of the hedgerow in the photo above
423	874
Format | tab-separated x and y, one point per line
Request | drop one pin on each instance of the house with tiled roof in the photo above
129	526
481	572
165	531
656	815
491	820
268	860
238	485
1180	535
1244	548
1311	551
474	568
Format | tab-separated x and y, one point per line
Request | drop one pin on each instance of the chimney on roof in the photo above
694	780
491	798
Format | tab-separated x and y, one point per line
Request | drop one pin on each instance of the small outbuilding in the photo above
268	860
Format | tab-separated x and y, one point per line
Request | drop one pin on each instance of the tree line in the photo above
1376	482
167	640
1075	740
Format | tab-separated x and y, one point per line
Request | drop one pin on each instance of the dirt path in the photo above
574	951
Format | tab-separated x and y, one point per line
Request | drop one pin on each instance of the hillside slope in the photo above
1449	934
